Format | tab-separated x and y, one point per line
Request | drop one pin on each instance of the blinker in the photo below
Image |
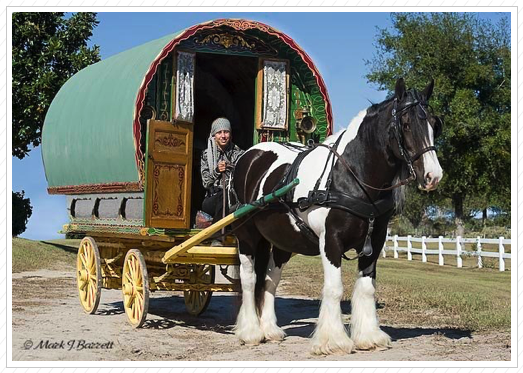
438	126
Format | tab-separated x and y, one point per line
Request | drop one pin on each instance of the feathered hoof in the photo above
332	346
250	336
273	333
378	339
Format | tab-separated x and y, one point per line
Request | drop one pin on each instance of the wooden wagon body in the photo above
123	140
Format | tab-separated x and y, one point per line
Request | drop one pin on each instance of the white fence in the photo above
393	244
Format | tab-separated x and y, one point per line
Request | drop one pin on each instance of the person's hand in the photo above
222	166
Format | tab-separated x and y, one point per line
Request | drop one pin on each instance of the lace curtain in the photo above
184	87
274	94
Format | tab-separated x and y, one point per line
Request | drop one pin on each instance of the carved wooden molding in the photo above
163	210
134	186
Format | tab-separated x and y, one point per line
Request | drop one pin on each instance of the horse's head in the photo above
414	129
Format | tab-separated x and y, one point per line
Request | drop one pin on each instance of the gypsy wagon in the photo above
123	140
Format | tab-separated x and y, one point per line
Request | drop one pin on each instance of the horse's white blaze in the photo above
365	330
330	334
247	328
268	315
430	159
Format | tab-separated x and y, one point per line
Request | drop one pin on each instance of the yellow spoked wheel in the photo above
135	288
89	275
197	302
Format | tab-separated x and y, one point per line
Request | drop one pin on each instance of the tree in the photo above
22	211
469	59
47	50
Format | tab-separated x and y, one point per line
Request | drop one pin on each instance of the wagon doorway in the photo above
224	86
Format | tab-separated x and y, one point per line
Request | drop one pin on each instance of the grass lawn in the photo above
29	255
408	292
421	294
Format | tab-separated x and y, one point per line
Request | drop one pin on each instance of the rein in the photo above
398	134
339	200
411	178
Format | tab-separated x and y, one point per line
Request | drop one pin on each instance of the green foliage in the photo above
469	59
47	50
22	211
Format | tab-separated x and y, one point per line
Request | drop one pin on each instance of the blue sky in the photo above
338	43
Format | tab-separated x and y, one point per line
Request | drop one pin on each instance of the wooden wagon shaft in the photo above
171	255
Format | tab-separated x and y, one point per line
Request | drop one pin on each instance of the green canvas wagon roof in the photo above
91	133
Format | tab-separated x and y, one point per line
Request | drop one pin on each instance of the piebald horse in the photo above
344	201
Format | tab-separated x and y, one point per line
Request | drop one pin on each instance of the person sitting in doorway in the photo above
217	166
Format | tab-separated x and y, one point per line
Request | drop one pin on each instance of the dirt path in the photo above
49	324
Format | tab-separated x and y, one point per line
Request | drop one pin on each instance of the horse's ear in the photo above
400	89
427	92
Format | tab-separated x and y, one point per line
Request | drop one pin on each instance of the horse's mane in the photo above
375	109
398	194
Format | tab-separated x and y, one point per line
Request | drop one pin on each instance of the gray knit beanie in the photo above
220	124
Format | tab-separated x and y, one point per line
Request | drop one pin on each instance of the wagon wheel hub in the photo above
83	279
83	275
128	289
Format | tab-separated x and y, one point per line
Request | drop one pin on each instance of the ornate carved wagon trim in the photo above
133	186
170	141
238	25
227	41
181	178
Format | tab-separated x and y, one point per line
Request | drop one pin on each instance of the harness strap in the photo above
304	228
339	200
345	202
287	201
333	199
293	171
421	152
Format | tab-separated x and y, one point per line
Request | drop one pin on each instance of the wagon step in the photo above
175	254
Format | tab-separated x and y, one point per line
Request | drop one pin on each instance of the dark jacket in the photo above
212	179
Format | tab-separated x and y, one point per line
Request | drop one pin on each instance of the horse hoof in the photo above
274	333
378	339
251	336
250	343
333	347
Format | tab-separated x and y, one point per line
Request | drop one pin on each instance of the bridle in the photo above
400	136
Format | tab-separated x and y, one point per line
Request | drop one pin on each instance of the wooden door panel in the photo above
169	165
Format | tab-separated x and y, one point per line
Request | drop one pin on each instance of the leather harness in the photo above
342	201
